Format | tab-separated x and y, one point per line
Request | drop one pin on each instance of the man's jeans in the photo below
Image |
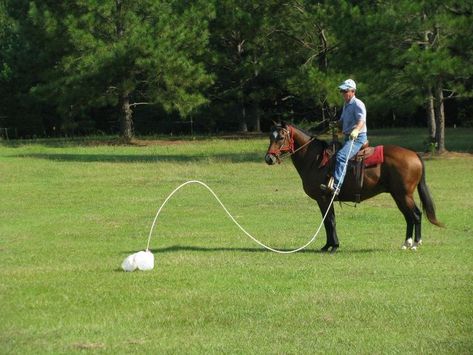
342	157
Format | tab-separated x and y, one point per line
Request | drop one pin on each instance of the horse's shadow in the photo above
179	248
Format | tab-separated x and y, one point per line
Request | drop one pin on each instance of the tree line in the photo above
130	67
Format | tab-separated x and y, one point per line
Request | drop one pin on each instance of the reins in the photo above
302	146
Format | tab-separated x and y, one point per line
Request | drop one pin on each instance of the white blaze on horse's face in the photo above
272	153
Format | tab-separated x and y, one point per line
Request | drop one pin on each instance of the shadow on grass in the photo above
140	141
179	248
457	139
128	158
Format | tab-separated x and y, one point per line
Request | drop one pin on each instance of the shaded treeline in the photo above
159	66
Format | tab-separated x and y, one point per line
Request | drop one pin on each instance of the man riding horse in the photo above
353	125
397	170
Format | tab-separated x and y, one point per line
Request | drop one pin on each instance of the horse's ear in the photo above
284	124
274	123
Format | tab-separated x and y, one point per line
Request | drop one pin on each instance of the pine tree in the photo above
253	60
311	65
125	54
411	54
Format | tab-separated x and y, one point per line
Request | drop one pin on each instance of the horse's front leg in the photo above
329	224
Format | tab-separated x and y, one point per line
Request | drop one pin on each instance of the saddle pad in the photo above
376	158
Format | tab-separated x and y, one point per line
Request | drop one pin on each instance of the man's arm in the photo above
360	113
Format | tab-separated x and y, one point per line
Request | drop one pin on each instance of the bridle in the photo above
287	147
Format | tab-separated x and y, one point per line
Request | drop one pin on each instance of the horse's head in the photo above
281	140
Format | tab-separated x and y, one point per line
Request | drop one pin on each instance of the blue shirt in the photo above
352	113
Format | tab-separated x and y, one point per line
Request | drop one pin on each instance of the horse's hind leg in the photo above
408	242
417	227
413	217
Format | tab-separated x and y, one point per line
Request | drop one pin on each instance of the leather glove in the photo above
354	134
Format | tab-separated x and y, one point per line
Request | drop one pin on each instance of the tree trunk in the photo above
431	117
440	119
431	109
126	118
257	113
243	125
126	129
257	123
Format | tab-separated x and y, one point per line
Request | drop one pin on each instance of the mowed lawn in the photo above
71	211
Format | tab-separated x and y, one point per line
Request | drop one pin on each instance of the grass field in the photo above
71	211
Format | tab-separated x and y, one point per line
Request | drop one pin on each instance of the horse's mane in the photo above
312	136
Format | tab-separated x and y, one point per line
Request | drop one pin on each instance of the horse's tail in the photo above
428	205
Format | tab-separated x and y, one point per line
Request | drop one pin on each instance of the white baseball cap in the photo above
348	84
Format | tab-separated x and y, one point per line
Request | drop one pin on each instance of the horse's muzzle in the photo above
270	159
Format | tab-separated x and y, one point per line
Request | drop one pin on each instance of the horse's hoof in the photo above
325	248
407	244
334	250
416	244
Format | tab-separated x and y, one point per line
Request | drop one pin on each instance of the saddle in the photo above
369	156
365	151
357	166
366	157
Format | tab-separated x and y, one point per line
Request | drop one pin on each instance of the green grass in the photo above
72	211
456	139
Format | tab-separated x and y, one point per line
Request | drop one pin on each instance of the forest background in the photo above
146	67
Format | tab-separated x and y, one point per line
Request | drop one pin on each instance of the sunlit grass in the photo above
72	212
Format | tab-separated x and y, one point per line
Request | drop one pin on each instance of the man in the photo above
353	124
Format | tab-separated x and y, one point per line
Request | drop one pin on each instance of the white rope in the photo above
238	224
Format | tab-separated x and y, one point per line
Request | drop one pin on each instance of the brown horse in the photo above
401	172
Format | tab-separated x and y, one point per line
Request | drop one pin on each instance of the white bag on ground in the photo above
143	260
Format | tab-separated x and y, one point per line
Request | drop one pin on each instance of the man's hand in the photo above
354	134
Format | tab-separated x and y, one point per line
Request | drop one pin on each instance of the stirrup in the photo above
330	186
